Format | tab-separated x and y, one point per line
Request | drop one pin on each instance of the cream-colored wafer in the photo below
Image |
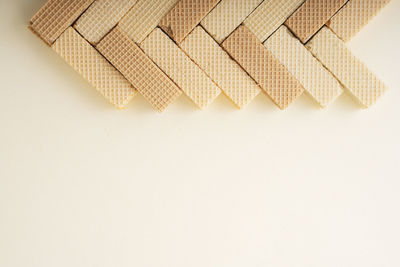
269	16
145	76
312	16
185	16
354	16
226	73
144	17
354	75
55	17
265	69
227	16
94	67
316	80
178	66
101	17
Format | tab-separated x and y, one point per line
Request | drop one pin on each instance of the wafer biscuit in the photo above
55	17
101	17
227	74
316	80
227	16
178	66
144	17
354	16
269	16
144	75
354	75
263	67
185	16
96	69
312	16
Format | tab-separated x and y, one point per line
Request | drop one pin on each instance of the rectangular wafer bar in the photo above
101	17
144	75
185	16
263	67
94	67
227	74
269	16
227	16
354	16
363	85
178	66
55	17
312	16
317	81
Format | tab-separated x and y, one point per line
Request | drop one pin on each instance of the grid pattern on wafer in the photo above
185	16
56	16
144	75
317	81
94	67
354	16
101	17
227	74
227	16
263	67
182	70
353	74
312	16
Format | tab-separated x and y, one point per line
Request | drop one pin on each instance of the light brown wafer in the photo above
312	16
178	66
55	17
353	74
226	73
145	76
354	16
96	69
185	16
265	69
101	17
227	16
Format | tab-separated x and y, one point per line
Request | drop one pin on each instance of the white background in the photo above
84	185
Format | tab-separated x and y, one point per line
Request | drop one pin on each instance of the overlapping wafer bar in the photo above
269	16
94	67
263	67
354	16
227	16
312	16
55	17
185	16
317	81
178	66
144	17
144	75
354	75
227	74
101	17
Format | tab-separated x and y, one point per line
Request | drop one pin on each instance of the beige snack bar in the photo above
354	75
101	17
227	16
55	17
354	16
227	74
178	66
96	69
312	16
263	67
269	16
145	76
185	16
144	17
316	80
